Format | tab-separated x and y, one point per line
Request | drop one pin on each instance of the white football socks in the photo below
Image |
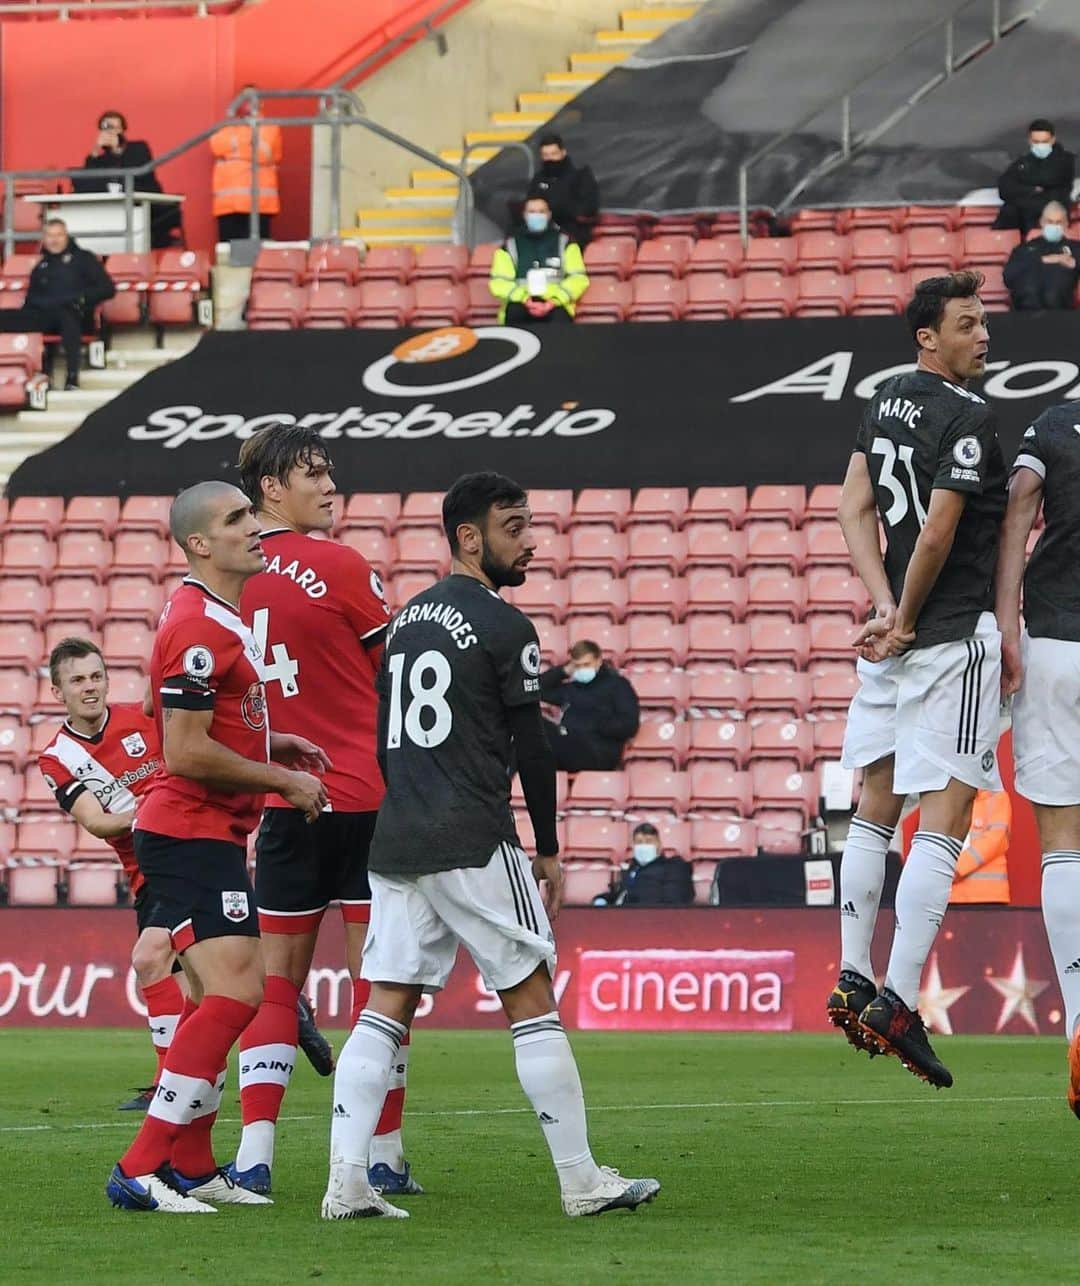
921	898
1061	915
363	1070
549	1076
862	874
256	1145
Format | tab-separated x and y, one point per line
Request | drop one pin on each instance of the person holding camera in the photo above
113	150
539	274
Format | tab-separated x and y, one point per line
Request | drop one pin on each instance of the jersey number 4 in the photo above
902	498
283	668
427	718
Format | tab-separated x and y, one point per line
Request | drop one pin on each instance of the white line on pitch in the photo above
725	1105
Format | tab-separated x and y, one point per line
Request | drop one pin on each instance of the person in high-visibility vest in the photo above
539	274
982	872
232	149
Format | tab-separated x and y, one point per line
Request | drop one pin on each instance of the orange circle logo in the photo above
436	345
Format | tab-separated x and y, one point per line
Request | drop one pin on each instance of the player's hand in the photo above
305	792
875	629
548	873
1012	668
297	752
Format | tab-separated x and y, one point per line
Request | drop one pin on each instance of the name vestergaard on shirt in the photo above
308	581
459	629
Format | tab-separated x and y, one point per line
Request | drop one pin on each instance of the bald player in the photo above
221	759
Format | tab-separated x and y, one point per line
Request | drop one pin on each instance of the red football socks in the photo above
268	1051
164	1005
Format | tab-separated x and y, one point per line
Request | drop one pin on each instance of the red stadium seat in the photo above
776	593
388	263
772	254
14	750
824	293
441	302
716	593
36	513
28	553
932	246
421	509
664	739
828	739
666	256
716	787
374	545
834	592
875	216
127	643
54	836
822	249
788	739
542	594
480	261
134	598
780	691
717	254
586	881
279	263
770	546
988	245
420	549
774	641
724	837
657	298
725	504
23	598
92	513
825	545
603	838
711	296
146	513
720	691
131	274
720	739
656	785
406	585
184	269
17	691
332	261
384	303
275	305
33	881
597	546
607	790
656	591
930	216
779	503
373	509
976	216
483	306
21	644
554	508
880	292
127	685
658	504
606	300
813	221
442	261
330	305
610	257
597	591
834	690
138	551
877	248
661	690
831	638
94	883
76	598
553	641
712	640
653	638
15	274
608	637
83	551
993	292
655	545
713	546
780	833
552	552
775	785
824	501
767	294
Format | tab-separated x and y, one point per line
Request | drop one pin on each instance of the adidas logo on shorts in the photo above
849	909
1074	967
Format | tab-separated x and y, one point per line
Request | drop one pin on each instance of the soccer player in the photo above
101	760
925	718
1040	666
319	616
458	705
190	841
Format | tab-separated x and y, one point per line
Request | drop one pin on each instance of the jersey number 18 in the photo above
427	718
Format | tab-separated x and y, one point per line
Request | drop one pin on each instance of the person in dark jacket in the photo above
66	285
113	150
1042	272
598	711
650	878
569	189
1044	173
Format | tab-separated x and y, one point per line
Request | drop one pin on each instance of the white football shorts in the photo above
934	708
493	911
1046	722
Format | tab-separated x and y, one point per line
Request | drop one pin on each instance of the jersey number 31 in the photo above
427	718
901	500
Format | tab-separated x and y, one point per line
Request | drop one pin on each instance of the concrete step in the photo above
60	423
112	379
547	98
601	60
80	401
476	157
574	81
631	39
422	196
528	120
378	215
497	135
656	16
402	236
433	181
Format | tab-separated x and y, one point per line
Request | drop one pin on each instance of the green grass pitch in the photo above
782	1158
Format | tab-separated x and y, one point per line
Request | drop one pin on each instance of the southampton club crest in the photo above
134	745
234	905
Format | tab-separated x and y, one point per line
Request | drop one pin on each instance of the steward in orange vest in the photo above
232	149
982	873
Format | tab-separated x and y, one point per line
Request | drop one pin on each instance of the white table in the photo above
97	219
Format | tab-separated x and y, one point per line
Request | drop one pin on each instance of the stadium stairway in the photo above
421	213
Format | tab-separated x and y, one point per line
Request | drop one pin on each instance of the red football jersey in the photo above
319	615
205	659
116	764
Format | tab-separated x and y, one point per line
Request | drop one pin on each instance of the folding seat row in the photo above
799	744
155	288
382	304
23	693
31	553
327	262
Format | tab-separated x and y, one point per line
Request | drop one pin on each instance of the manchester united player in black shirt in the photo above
924	721
458	700
1042	667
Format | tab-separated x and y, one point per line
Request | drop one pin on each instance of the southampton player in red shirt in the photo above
319	616
190	842
98	764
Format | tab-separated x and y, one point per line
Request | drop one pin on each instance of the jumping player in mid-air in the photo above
458	705
925	718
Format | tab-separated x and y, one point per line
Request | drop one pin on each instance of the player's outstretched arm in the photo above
1025	496
857	513
88	812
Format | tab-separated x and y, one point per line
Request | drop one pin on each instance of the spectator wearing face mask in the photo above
113	150
596	711
1042	272
649	878
569	190
539	274
1044	173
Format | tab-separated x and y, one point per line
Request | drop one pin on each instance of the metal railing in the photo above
849	140
63	9
423	29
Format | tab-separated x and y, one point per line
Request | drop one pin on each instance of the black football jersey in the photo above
921	432
457	658
1051	447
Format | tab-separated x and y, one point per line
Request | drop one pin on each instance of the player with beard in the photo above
459	701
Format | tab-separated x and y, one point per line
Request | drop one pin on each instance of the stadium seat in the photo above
767	294
586	881
421	509
76	598
553	642
712	546
41	836
657	299
657	504
828	739
604	838
606	300
94	883
373	545
825	545
14	750
712	296
182	270
134	598
552	508
789	739
823	502
776	593
988	245
656	591
665	739
777	503
772	254
878	248
36	513
21	644
776	786
332	261
831	638
483	306
993	292
23	598
661	691
716	787
275	305
930	216
440	302
833	690
279	263
932	246
131	274
713	640
822	249
127	684
835	592
82	551
17	692
597	591
724	837
442	261
542	594
480	261
873	216
384	303
552	552
656	785
21	359
406	585
780	832
722	504
92	513
373	509
780	691
771	546
774	641
15	274
28	553
654	638
597	546
608	637
33	881
824	293
138	551
610	257
329	305
656	545
146	513
718	689
719	739
388	263
715	593
599	790
665	256
716	255
813	221
880	292
421	549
